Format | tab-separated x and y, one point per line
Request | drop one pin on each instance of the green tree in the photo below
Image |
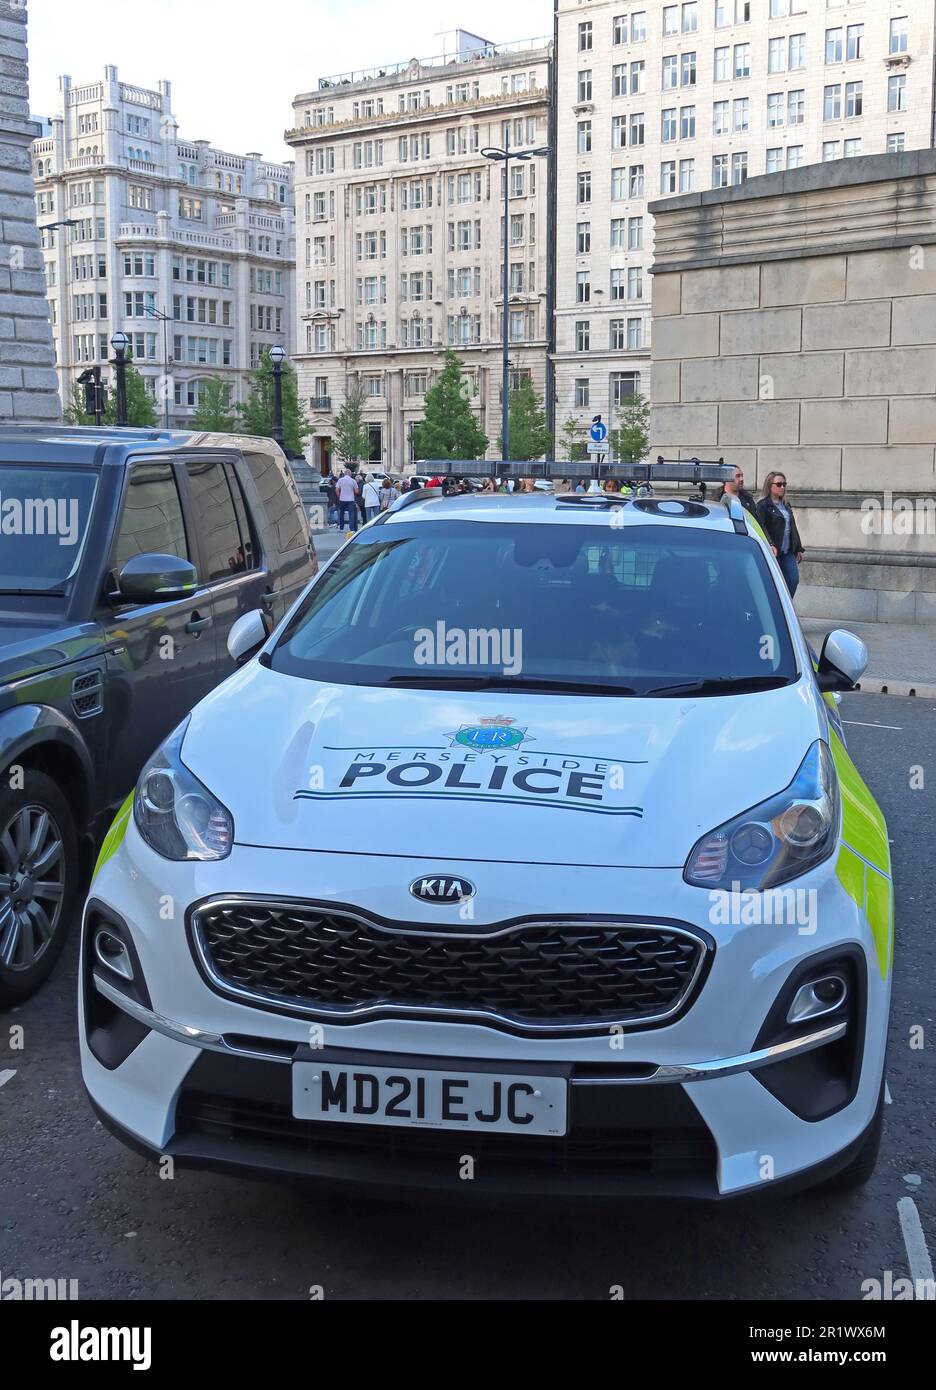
630	440
256	414
141	408
573	437
351	438
449	429
529	437
74	412
215	412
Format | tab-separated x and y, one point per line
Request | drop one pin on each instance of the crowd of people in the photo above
356	498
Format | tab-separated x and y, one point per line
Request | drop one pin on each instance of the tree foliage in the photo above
351	440
630	440
573	438
256	413
215	413
529	437
449	429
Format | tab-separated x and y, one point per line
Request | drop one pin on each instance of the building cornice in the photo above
306	135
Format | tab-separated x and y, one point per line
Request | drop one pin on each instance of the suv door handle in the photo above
196	624
267	600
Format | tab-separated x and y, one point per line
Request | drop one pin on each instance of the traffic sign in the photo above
599	432
598	448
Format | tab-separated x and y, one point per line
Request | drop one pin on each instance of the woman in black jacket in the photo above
779	523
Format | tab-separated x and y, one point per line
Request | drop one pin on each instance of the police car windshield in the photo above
636	607
44	516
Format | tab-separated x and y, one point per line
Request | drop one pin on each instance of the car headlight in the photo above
177	816
778	840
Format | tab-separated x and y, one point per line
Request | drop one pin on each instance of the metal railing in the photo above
438	60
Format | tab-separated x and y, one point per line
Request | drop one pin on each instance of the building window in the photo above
638	77
668	124
637	128
636	181
741	114
895	142
899	34
585	85
775	110
584	137
797	53
690	17
582	335
739	167
635	282
722	64
687	70
834	45
796	107
670	72
720	118
585	37
852	148
583	238
897	93
831	149
582	287
581	392
832	102
687	175
742	60
618	132
624	385
720	171
854	48
668	176
670	19
635	233
634	334
687	125
583	188
794	157
775	159
619	80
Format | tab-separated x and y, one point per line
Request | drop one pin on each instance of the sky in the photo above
235	66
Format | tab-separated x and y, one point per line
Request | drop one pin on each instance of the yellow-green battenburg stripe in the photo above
863	865
114	838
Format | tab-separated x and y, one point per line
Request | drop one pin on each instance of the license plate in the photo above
500	1102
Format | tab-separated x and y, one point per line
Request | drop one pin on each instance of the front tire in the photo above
39	872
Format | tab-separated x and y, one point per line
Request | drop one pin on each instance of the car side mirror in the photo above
842	661
247	636
156	579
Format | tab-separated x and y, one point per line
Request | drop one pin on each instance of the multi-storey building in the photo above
400	236
659	99
188	250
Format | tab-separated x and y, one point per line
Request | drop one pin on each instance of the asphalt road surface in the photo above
76	1204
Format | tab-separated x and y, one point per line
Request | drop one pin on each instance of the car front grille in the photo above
529	976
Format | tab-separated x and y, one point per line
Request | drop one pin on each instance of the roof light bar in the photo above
693	471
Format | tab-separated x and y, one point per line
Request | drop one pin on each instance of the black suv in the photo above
125	558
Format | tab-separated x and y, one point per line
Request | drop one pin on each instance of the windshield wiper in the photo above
720	685
543	685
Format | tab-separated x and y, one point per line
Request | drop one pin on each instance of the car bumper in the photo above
689	1109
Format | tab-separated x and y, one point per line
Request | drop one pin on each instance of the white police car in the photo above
525	857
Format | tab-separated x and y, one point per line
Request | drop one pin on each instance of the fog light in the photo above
818	997
112	953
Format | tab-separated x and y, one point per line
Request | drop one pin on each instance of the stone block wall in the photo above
794	328
28	381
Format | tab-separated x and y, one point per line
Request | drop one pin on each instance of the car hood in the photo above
499	776
31	644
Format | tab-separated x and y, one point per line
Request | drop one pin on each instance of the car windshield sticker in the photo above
483	762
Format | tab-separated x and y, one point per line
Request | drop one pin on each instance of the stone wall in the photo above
28	381
794	328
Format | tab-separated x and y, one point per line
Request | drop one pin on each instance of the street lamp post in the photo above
278	357
504	156
165	319
120	342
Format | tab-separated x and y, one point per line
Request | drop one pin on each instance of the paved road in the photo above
76	1204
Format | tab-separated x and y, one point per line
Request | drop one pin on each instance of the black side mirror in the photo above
156	579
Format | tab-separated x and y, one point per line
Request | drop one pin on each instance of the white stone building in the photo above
187	249
399	236
655	99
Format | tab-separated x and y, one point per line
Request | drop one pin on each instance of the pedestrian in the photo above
330	486
610	485
776	516
580	486
487	485
734	487
347	490
370	496
387	495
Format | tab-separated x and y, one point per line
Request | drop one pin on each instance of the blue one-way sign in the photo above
599	432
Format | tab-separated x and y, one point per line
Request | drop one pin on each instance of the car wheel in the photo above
865	1161
39	867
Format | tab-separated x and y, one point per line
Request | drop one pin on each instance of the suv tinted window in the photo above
642	606
280	500
152	522
228	548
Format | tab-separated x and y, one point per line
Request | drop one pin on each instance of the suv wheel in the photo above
38	884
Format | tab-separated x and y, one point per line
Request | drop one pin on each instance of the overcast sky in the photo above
236	65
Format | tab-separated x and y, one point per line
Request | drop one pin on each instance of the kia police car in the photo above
524	857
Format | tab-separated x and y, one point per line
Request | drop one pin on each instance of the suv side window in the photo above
280	500
152	521
226	537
